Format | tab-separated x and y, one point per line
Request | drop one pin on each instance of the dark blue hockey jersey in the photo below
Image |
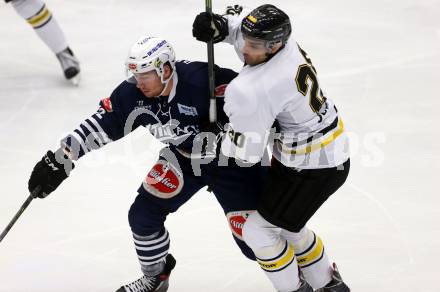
175	119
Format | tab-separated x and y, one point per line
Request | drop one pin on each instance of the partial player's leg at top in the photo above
36	13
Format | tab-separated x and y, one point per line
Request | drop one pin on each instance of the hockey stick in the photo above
23	207
212	99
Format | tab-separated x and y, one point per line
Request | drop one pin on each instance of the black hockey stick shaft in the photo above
19	213
212	99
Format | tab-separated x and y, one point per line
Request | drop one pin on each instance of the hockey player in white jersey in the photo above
36	13
279	85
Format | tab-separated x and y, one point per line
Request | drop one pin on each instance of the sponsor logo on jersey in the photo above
148	107
187	110
167	130
219	91
236	220
140	105
107	104
163	180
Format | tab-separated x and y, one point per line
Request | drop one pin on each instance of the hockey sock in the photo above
152	251
281	269
311	256
275	255
35	12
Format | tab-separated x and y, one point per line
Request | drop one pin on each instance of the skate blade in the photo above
76	79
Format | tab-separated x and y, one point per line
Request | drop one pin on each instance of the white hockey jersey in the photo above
284	89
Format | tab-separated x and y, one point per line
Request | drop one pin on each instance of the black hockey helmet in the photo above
267	23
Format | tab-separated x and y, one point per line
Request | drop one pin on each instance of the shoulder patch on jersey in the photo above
107	104
163	180
187	110
219	91
236	220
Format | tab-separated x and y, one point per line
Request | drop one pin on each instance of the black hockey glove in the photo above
207	27
49	173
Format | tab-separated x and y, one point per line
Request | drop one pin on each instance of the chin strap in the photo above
165	83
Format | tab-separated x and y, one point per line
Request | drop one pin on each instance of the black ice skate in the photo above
336	284
305	287
70	65
157	283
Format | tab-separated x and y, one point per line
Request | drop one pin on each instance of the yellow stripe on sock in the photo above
39	18
280	263
313	255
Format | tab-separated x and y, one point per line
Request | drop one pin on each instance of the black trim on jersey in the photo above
322	132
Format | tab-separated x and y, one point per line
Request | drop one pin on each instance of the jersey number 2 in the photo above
306	80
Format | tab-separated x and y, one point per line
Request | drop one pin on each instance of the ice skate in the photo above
305	287
70	65
336	284
157	283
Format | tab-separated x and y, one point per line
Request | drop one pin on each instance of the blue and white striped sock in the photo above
152	251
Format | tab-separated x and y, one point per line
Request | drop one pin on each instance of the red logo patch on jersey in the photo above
236	220
219	91
163	180
132	66
107	104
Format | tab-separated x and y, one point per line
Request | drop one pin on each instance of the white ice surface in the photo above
378	60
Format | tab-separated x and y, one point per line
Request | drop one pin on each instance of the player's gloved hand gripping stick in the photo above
46	176
210	28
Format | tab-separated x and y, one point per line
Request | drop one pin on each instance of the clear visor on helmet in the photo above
133	77
257	44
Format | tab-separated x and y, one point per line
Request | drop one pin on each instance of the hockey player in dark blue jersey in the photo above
171	99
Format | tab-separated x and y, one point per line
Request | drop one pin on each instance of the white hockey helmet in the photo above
147	54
